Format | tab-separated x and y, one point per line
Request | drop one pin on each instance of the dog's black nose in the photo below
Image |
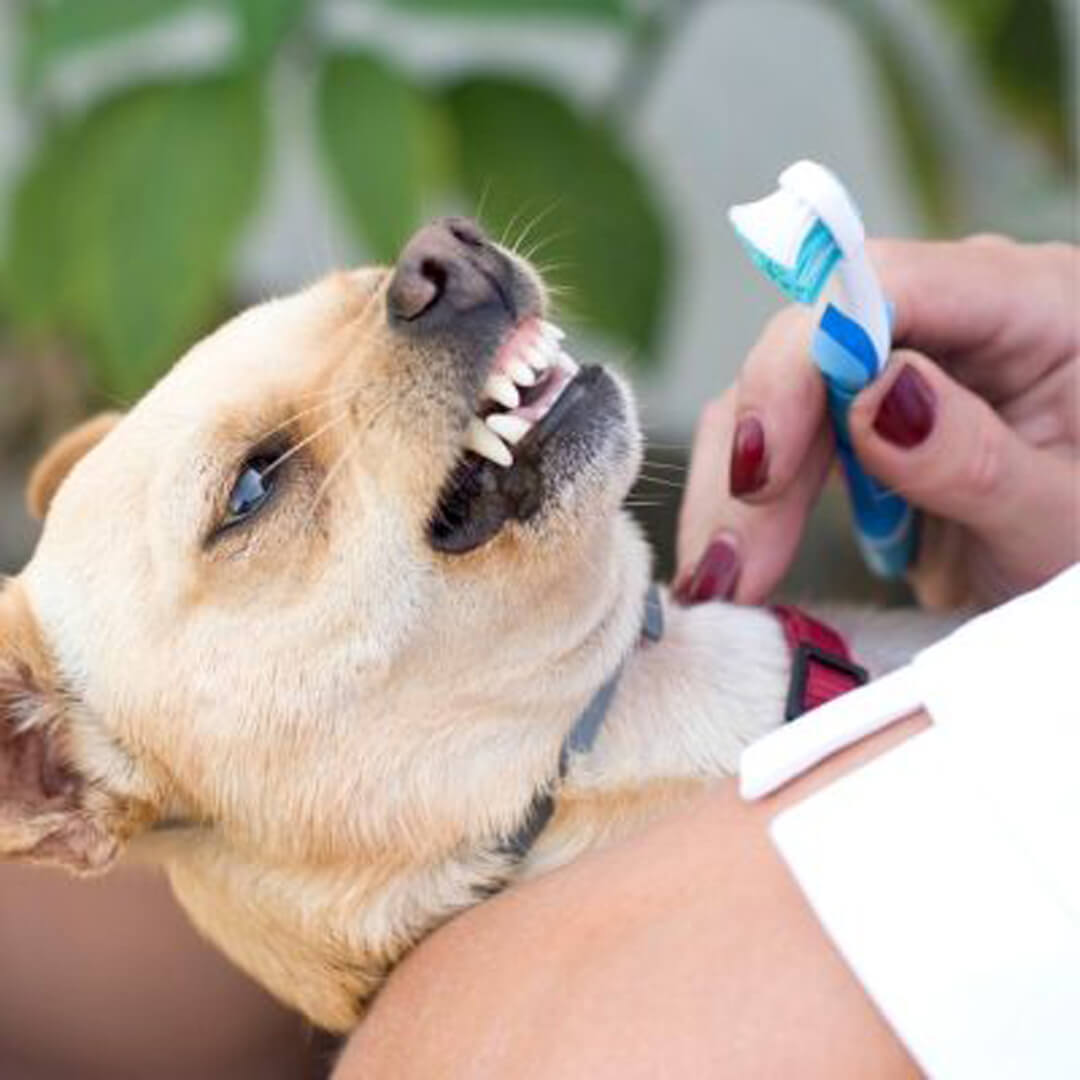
448	268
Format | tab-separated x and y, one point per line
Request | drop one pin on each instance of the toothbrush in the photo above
805	236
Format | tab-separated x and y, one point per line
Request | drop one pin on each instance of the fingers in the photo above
947	451
996	313
760	456
729	548
780	405
762	450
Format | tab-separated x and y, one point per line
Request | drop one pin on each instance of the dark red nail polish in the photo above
749	466
714	577
906	414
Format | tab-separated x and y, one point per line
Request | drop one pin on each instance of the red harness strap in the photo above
821	665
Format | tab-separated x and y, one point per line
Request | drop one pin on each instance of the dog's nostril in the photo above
468	232
435	272
448	268
415	289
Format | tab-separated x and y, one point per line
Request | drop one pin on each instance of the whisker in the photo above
665	465
509	225
326	398
379	408
532	225
557	264
352	446
290	420
322	430
643	475
479	215
553	267
545	241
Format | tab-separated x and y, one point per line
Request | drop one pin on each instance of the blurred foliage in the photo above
611	9
124	226
1017	48
588	206
126	221
1020	46
413	160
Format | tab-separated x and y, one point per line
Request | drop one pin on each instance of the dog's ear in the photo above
60	458
48	811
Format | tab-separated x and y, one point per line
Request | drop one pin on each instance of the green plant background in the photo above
125	222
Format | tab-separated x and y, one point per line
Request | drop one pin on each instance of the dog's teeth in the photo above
512	428
521	373
551	332
480	439
568	363
499	388
539	355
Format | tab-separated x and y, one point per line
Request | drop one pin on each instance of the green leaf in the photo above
123	227
386	143
558	181
263	23
53	28
592	9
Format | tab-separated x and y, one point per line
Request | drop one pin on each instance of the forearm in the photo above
685	951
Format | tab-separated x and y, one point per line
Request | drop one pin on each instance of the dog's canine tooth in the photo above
521	373
480	439
501	389
511	428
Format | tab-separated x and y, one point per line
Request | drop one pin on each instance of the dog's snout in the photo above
447	269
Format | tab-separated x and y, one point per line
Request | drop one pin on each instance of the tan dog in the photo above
283	635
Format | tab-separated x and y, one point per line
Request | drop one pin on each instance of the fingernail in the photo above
906	414
714	577
749	466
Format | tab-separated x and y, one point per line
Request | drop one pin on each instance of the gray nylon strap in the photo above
579	740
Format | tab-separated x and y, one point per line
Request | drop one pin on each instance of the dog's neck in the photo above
717	668
684	708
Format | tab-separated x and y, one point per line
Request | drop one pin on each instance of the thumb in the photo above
947	451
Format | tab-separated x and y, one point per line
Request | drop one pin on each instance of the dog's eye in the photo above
253	487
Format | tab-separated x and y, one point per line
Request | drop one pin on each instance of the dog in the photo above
312	624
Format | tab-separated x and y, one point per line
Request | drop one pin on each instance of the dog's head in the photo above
358	542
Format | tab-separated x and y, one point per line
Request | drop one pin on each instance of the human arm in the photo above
685	950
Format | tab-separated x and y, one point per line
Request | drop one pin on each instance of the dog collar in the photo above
580	739
822	667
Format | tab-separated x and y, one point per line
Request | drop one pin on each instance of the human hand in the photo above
976	421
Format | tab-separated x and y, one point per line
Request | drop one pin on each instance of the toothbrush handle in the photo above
886	527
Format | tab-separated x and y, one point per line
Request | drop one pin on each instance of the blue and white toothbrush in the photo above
805	236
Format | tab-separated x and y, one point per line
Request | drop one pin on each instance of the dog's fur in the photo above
320	726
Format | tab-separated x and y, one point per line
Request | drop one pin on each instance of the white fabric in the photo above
947	870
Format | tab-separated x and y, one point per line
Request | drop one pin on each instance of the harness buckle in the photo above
814	678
